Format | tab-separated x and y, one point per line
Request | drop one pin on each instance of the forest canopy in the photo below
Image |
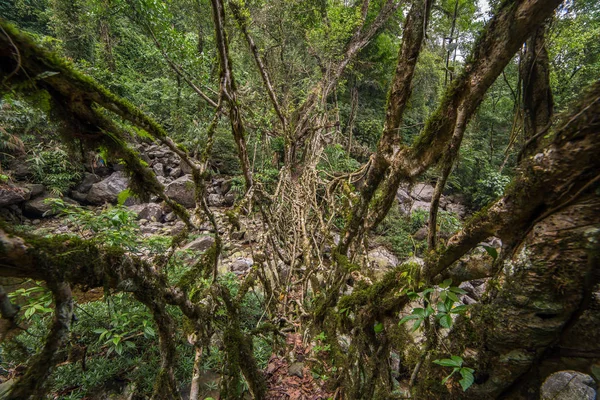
286	199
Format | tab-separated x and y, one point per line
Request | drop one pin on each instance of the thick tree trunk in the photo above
544	284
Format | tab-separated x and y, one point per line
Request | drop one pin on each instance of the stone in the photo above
381	258
177	228
88	181
35	188
421	234
402	195
225	185
215	200
296	369
422	191
20	169
78	196
229	199
11	194
159	169
185	168
203	243
568	385
458	209
238	235
419	205
151	228
148	211
241	265
175	172
39	208
108	190
170	217
182	190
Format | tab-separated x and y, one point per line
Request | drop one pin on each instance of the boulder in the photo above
78	196
151	228
422	191
159	169
419	205
181	190
175	172
108	190
86	184
228	199
35	188
203	243
185	168
215	200
148	211
381	258
11	194
38	207
241	265
456	208
421	234
20	169
568	385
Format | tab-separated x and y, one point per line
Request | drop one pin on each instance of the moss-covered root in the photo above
31	385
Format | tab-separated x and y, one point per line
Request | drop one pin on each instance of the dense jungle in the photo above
299	199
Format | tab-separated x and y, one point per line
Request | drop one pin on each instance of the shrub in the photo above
53	168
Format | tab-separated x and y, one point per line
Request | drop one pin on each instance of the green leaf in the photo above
429	310
441	307
458	360
413	295
416	325
459	309
449	376
446	283
457	290
453	296
122	198
446	321
420	312
99	330
467	378
447	362
149	332
408	318
378	327
491	251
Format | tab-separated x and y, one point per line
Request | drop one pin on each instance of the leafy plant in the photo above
445	299
456	363
113	226
53	168
37	299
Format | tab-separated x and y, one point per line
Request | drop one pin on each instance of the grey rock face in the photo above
419	205
458	209
422	191
568	385
38	208
10	194
149	211
87	182
241	265
203	243
182	191
421	234
215	200
159	169
228	199
35	188
108	190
